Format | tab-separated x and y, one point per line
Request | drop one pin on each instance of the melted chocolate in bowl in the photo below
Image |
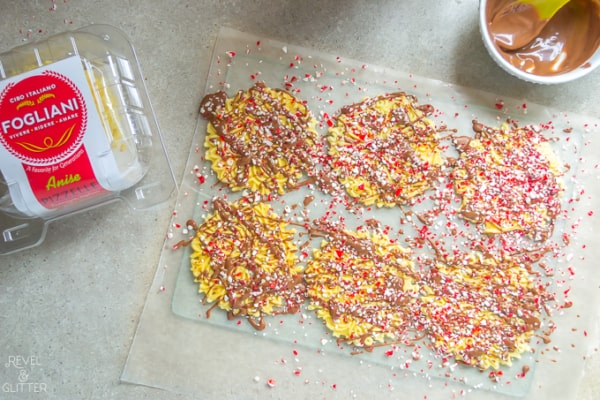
564	46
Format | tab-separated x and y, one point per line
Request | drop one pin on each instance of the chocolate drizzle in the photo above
389	142
245	252
481	307
507	182
266	129
359	281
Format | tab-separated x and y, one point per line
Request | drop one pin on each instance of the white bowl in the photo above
586	67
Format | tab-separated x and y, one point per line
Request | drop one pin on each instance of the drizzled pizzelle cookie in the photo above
244	260
261	139
481	310
509	180
385	150
476	308
363	287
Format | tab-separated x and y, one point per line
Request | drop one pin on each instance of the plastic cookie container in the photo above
76	130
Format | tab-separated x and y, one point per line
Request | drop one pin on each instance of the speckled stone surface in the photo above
73	302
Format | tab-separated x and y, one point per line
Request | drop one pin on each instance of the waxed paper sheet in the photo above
177	348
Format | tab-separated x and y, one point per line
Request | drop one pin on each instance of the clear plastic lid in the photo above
76	130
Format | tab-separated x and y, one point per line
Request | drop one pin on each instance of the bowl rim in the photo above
588	66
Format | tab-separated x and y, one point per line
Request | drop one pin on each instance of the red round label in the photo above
42	118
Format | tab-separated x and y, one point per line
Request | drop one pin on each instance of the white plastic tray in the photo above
137	172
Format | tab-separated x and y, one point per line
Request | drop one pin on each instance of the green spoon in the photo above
518	23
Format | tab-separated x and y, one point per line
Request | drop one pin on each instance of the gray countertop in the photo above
73	303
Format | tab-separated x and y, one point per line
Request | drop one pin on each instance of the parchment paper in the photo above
178	349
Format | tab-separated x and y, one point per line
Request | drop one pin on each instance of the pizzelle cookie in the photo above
244	259
261	139
362	286
385	150
481	310
509	180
